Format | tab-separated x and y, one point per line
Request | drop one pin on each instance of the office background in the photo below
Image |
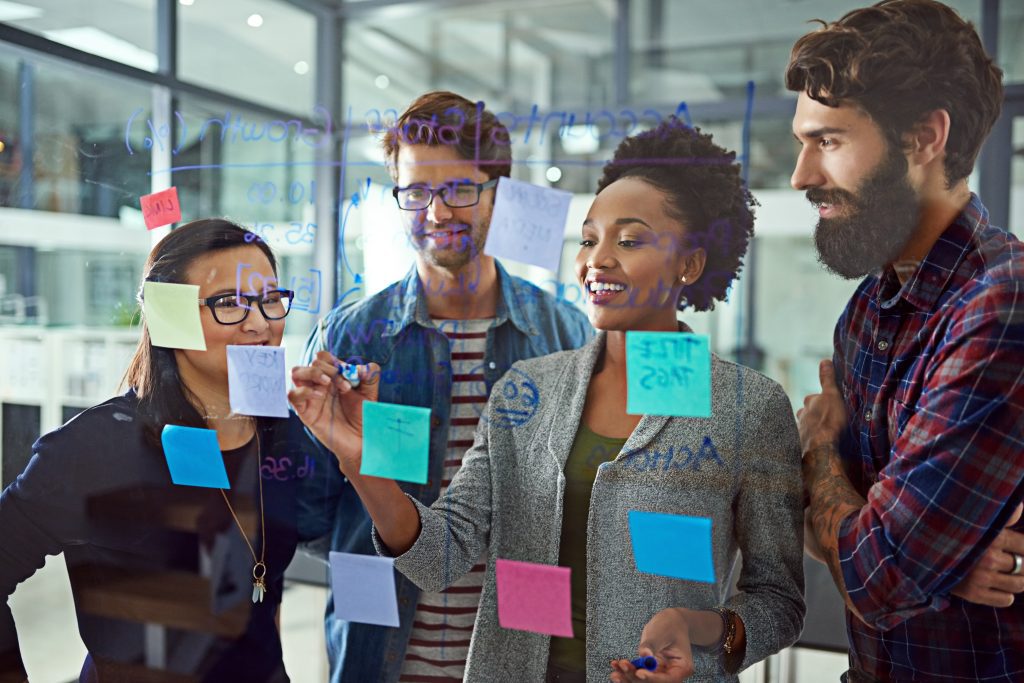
266	111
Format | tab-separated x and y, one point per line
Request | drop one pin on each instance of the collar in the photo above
923	288
409	304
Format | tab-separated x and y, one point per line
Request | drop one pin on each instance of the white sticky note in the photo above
363	587
256	381
528	223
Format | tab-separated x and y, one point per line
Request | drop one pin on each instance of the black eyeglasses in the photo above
233	308
455	195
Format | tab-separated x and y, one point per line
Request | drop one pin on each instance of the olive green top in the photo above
589	450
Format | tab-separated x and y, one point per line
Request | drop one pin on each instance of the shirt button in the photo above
435	422
883	345
867	416
492	365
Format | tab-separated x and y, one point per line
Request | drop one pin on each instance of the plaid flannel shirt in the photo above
932	374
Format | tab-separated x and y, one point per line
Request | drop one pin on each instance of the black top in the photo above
140	549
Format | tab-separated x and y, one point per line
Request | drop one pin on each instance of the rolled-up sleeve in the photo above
955	472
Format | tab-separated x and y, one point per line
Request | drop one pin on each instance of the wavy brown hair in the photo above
898	61
445	118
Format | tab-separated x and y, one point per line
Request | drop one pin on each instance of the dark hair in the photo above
444	118
153	370
898	61
704	191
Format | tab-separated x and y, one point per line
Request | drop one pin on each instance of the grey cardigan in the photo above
741	468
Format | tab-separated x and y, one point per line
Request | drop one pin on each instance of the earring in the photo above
682	278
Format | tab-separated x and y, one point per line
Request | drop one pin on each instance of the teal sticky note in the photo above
678	546
194	457
396	441
668	373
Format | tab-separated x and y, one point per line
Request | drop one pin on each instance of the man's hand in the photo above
823	417
989	583
332	408
832	497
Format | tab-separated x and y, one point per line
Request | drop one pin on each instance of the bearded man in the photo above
913	460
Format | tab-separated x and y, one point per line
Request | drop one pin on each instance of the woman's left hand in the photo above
666	637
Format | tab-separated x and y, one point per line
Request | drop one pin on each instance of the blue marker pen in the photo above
350	373
648	662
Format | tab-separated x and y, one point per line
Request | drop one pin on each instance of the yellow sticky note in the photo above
172	315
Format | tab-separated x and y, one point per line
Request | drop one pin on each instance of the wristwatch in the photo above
728	640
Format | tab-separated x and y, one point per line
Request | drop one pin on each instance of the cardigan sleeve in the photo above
454	531
769	529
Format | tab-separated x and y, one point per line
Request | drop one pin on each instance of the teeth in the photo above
606	287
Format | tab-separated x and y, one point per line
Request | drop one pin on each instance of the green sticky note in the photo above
172	315
396	441
668	373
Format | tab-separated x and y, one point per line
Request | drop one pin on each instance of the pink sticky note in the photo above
534	597
160	208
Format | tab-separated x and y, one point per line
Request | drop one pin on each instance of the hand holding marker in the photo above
648	662
349	372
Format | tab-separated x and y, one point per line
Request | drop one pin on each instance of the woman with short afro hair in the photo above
558	464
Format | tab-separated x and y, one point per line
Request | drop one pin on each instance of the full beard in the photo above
878	222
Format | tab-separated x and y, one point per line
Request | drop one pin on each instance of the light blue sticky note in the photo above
528	223
363	587
396	441
672	545
193	457
256	380
668	373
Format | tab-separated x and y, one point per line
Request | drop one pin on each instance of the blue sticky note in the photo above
194	457
528	223
256	380
396	441
363	587
672	545
668	373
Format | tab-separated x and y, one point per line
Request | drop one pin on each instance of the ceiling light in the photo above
2	146
301	68
382	81
186	3
92	39
553	174
255	20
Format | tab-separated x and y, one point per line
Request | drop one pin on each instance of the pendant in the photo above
259	586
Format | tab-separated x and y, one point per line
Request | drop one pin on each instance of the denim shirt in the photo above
393	329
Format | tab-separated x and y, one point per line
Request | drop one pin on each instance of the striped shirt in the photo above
443	622
932	373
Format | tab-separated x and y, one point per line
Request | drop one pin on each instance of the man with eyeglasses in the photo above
443	336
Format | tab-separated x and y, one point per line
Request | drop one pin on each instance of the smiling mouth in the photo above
601	292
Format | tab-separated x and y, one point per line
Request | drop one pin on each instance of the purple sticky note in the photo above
363	587
534	597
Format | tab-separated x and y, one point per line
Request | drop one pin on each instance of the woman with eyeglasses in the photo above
171	582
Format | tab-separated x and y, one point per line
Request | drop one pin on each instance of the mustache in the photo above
424	228
817	195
